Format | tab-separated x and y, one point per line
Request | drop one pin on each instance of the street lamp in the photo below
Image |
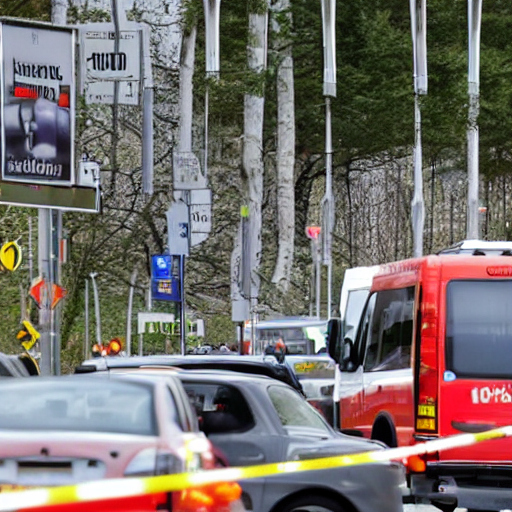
418	9
329	91
212	37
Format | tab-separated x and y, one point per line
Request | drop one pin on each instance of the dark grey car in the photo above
257	420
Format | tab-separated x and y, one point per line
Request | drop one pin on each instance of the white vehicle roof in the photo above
484	246
356	278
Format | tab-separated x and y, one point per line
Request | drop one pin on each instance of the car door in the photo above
245	443
351	380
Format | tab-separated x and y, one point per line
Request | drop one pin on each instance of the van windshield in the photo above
355	305
479	328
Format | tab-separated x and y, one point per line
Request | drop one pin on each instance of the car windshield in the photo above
77	405
479	328
293	410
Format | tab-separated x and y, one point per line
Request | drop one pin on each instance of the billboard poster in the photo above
37	104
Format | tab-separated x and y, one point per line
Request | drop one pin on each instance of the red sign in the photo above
39	291
313	232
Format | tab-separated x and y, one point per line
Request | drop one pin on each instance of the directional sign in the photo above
10	256
28	335
39	292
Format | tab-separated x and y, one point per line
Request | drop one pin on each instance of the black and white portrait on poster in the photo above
38	104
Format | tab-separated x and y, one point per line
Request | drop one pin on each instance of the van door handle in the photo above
473	428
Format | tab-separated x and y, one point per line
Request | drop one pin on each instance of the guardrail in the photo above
128	487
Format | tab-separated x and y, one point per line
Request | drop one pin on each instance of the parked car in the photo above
259	365
72	429
18	365
316	376
256	420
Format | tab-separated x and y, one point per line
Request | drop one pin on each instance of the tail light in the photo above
426	366
209	498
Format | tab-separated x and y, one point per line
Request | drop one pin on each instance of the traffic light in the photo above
28	335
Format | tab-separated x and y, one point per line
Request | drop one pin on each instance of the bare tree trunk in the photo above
285	148
188	52
252	157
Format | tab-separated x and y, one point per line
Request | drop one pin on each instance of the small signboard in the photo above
187	173
165	278
178	228
110	60
37	103
201	211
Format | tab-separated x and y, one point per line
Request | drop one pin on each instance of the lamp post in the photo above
212	37
329	91
418	10
474	24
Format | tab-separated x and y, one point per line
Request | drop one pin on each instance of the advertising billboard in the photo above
37	96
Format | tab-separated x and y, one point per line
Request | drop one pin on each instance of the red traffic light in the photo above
313	232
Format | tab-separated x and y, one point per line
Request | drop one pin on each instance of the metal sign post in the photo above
329	43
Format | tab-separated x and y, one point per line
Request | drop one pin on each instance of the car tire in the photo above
313	503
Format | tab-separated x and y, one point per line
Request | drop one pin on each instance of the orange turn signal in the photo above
416	464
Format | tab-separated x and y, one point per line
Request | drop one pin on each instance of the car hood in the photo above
311	444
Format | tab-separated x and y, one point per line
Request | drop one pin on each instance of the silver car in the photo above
256	420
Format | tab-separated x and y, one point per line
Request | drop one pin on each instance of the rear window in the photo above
222	409
479	328
95	405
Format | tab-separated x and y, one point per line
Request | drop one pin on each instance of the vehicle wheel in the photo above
313	503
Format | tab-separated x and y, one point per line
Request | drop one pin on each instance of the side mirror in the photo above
349	362
333	338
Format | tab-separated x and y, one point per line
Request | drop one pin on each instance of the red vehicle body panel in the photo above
462	404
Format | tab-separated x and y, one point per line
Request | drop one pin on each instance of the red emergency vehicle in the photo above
432	357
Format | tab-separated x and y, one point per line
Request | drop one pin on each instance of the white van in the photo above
354	292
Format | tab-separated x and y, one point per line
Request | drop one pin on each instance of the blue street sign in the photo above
165	284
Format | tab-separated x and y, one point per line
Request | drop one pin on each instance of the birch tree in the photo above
285	158
252	153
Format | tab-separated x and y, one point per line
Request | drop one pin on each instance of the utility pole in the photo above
50	232
418	11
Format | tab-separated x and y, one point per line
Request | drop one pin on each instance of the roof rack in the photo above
480	248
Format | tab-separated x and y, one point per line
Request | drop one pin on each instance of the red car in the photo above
68	430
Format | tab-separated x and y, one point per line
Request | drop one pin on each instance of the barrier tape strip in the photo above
127	487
